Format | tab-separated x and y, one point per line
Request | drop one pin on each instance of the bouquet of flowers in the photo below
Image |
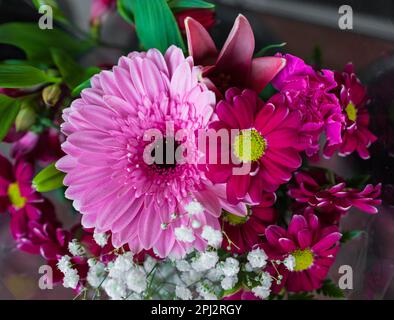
191	166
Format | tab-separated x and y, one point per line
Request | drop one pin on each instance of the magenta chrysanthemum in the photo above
355	133
308	90
331	198
143	205
313	249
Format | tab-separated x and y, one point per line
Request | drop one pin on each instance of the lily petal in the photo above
237	52
200	44
264	69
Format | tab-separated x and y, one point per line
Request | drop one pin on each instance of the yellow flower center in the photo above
249	145
303	259
14	193
351	111
234	219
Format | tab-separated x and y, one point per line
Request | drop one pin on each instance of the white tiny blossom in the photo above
182	265
116	289
214	237
100	238
71	279
204	288
136	280
205	261
194	207
214	274
75	248
289	262
122	264
229	282
149	263
96	273
257	258
230	267
190	277
183	293
209	296
64	263
196	224
184	234
261	292
248	267
266	280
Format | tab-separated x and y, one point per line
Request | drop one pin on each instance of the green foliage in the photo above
154	22
57	12
350	235
9	109
190	4
36	43
358	181
48	179
72	73
125	10
330	289
23	76
264	51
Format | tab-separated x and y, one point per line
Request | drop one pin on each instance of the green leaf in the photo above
155	24
330	289
23	76
78	89
190	4
9	109
263	51
73	74
57	12
48	179
85	84
359	181
350	235
125	10
37	43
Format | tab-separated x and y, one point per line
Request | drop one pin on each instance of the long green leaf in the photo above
37	43
48	179
190	4
23	76
9	109
73	74
58	15
155	23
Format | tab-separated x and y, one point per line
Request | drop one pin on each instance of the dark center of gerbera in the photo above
164	154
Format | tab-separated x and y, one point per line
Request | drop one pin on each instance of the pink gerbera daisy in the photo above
270	136
307	249
163	206
353	98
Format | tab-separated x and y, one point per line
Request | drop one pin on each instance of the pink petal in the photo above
327	242
200	44
236	54
264	69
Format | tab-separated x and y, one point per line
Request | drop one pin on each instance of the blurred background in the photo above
310	29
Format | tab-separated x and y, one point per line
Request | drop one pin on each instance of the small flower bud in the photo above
25	118
51	95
